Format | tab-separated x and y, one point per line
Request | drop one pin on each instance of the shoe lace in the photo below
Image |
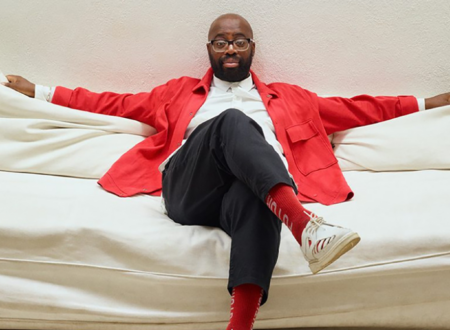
315	221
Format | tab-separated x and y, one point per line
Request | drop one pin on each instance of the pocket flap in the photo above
302	132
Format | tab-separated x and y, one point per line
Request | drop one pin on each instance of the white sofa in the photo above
73	256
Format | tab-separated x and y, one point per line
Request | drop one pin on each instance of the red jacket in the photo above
302	121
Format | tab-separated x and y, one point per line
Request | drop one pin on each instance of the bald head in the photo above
229	22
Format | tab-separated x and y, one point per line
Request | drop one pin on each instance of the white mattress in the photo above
73	256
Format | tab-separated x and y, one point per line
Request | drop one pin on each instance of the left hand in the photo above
20	84
437	101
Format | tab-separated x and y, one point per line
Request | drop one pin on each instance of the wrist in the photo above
428	104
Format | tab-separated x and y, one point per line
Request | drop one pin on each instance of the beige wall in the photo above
342	47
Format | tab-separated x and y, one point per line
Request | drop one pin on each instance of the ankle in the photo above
245	303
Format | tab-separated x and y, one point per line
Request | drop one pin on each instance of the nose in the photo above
230	49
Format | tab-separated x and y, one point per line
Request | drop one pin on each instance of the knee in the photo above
236	120
232	114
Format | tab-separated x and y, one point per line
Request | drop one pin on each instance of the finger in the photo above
10	85
11	78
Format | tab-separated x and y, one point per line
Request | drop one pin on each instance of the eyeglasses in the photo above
222	45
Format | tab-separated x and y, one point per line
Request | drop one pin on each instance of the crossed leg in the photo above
222	177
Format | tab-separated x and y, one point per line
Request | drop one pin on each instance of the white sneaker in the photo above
322	243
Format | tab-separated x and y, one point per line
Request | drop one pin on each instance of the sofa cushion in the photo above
44	138
415	142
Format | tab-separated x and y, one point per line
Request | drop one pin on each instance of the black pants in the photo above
220	178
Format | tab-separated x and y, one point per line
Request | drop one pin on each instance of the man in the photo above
237	154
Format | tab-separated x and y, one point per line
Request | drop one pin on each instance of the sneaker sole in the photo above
346	244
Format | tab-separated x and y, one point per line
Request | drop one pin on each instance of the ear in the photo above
253	48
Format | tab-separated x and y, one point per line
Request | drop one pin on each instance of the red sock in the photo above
282	201
245	303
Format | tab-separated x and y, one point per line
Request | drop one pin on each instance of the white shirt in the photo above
242	96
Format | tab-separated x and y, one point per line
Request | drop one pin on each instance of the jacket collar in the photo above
204	84
262	88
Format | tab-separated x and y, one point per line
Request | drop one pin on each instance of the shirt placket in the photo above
236	100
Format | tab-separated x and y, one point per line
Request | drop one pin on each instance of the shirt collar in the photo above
246	84
203	86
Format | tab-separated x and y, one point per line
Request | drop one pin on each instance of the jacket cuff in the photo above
62	96
408	105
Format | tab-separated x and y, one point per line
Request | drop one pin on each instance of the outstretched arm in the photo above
139	107
340	113
343	113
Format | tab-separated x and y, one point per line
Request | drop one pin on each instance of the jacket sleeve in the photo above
141	107
339	113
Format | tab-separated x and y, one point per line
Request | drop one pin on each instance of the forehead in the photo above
229	27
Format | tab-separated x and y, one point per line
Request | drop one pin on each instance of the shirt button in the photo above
269	96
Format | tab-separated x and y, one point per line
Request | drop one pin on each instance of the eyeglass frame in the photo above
230	42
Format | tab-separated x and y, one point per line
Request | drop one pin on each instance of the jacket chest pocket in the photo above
311	150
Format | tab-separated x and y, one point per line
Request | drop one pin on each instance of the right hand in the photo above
20	84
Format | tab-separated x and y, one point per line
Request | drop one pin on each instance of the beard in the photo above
236	74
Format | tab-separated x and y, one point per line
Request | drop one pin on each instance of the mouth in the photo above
230	63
